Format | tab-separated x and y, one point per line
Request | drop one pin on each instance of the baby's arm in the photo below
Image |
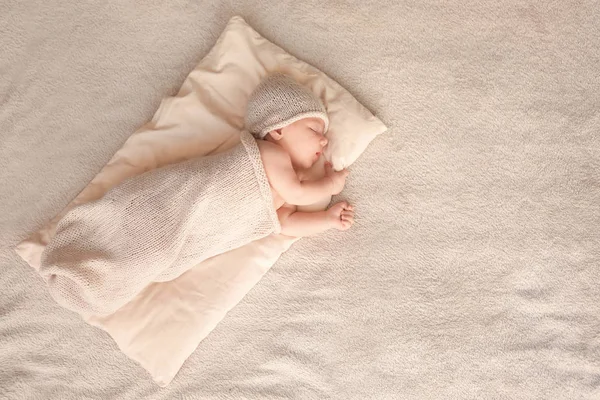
298	224
286	183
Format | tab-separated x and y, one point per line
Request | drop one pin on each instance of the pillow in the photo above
164	324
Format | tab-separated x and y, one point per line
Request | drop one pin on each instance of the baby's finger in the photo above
348	218
344	205
347	213
346	225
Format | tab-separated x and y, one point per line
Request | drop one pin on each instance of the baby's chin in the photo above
315	163
311	163
307	163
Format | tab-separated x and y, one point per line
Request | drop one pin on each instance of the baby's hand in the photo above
342	215
337	178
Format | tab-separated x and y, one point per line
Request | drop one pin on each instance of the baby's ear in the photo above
276	134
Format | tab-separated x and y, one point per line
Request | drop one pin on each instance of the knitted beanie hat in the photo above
279	101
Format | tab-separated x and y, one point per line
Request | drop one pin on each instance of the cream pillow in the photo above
222	82
164	324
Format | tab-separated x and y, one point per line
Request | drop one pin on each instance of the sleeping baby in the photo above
292	122
155	226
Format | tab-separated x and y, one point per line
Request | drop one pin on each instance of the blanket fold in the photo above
156	226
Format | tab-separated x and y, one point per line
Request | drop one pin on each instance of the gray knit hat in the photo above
279	101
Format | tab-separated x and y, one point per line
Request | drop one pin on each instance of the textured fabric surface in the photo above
164	323
156	226
472	271
279	101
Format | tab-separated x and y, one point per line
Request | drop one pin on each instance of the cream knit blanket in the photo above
156	226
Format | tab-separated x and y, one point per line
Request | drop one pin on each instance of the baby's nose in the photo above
324	142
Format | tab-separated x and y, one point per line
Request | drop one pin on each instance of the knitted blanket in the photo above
155	226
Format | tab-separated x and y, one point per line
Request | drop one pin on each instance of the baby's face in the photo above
304	141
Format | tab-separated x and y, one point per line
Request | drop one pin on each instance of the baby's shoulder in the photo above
277	164
271	154
265	145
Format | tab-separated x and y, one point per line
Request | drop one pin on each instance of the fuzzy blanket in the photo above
156	226
473	269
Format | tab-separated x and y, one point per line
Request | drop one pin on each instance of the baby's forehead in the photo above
313	122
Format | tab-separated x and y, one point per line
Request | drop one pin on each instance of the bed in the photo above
472	269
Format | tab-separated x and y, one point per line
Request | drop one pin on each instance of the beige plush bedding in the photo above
156	226
84	257
472	270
